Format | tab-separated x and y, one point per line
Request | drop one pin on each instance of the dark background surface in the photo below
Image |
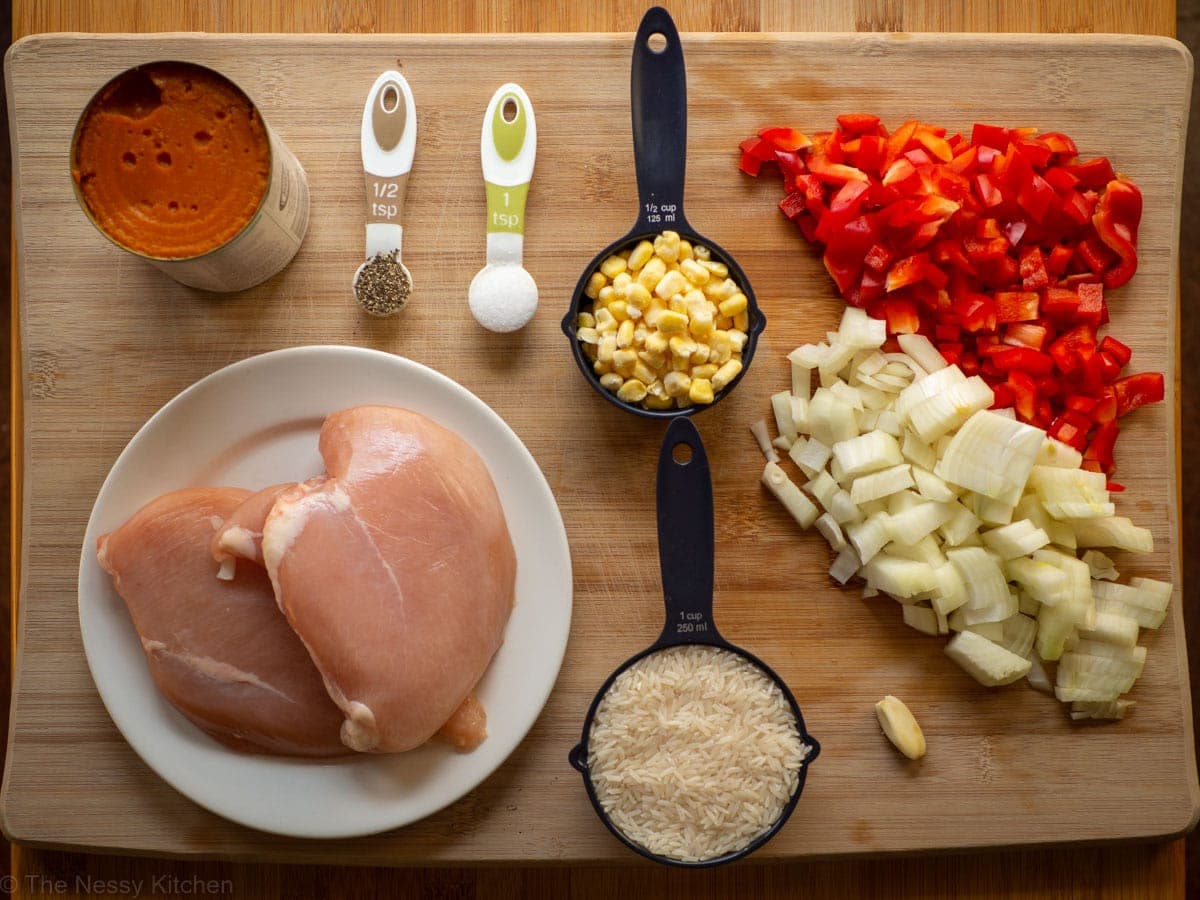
1188	25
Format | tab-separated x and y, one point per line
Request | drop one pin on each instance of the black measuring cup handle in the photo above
658	98
685	537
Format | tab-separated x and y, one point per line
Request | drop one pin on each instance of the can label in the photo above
267	243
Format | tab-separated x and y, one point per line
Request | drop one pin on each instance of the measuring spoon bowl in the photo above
658	101
685	547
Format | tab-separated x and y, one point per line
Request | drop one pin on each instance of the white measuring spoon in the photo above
382	284
503	296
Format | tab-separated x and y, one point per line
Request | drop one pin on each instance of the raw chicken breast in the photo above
397	572
220	651
240	537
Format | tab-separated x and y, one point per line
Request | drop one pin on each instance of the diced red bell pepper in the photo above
1072	349
1100	449
898	140
1034	275
969	363
990	136
976	313
907	271
871	152
1060	144
1036	196
938	146
1106	406
989	195
1022	359
1078	207
1062	180
1081	404
901	316
1117	216
1091	304
1060	304
793	205
1059	258
1110	369
1003	395
785	139
750	165
1095	254
844	275
849	197
871	286
1095	173
1118	351
1071	428
1133	391
858	123
834	172
1024	394
1016	306
898	172
1025	334
981	249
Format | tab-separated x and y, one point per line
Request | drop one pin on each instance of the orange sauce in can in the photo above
171	160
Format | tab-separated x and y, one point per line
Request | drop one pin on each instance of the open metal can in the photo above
172	162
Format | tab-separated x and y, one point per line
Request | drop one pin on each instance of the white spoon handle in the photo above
389	142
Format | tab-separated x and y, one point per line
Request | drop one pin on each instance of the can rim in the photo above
83	204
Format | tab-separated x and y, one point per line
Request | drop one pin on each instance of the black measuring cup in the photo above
685	551
658	97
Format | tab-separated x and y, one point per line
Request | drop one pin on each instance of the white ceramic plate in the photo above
255	423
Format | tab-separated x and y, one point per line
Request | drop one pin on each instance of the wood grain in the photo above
1154	870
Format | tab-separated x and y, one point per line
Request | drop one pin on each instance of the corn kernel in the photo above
721	344
657	342
672	282
632	391
720	290
633	312
638	295
681	363
706	371
588	335
701	252
621	282
643	373
677	383
701	323
592	289
726	374
623	361
685	249
625	334
640	333
608	346
734	305
742	321
640	255
613	266
655	389
723	323
656	361
678	304
611	381
700	391
718	269
682	345
666	246
606	296
619	309
585	320
701	355
671	322
658	402
694	272
652	273
695	297
603	317
737	340
600	367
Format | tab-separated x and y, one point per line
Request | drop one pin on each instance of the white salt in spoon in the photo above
382	284
503	296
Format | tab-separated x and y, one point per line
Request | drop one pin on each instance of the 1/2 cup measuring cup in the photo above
685	546
658	100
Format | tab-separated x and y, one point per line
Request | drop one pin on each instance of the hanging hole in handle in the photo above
509	111
390	99
657	42
682	453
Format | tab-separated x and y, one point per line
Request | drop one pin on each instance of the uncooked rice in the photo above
694	752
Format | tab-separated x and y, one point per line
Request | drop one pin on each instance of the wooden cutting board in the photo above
107	340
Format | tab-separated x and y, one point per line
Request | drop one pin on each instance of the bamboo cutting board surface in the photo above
107	340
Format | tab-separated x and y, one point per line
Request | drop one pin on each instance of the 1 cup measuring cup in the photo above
658	95
685	543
